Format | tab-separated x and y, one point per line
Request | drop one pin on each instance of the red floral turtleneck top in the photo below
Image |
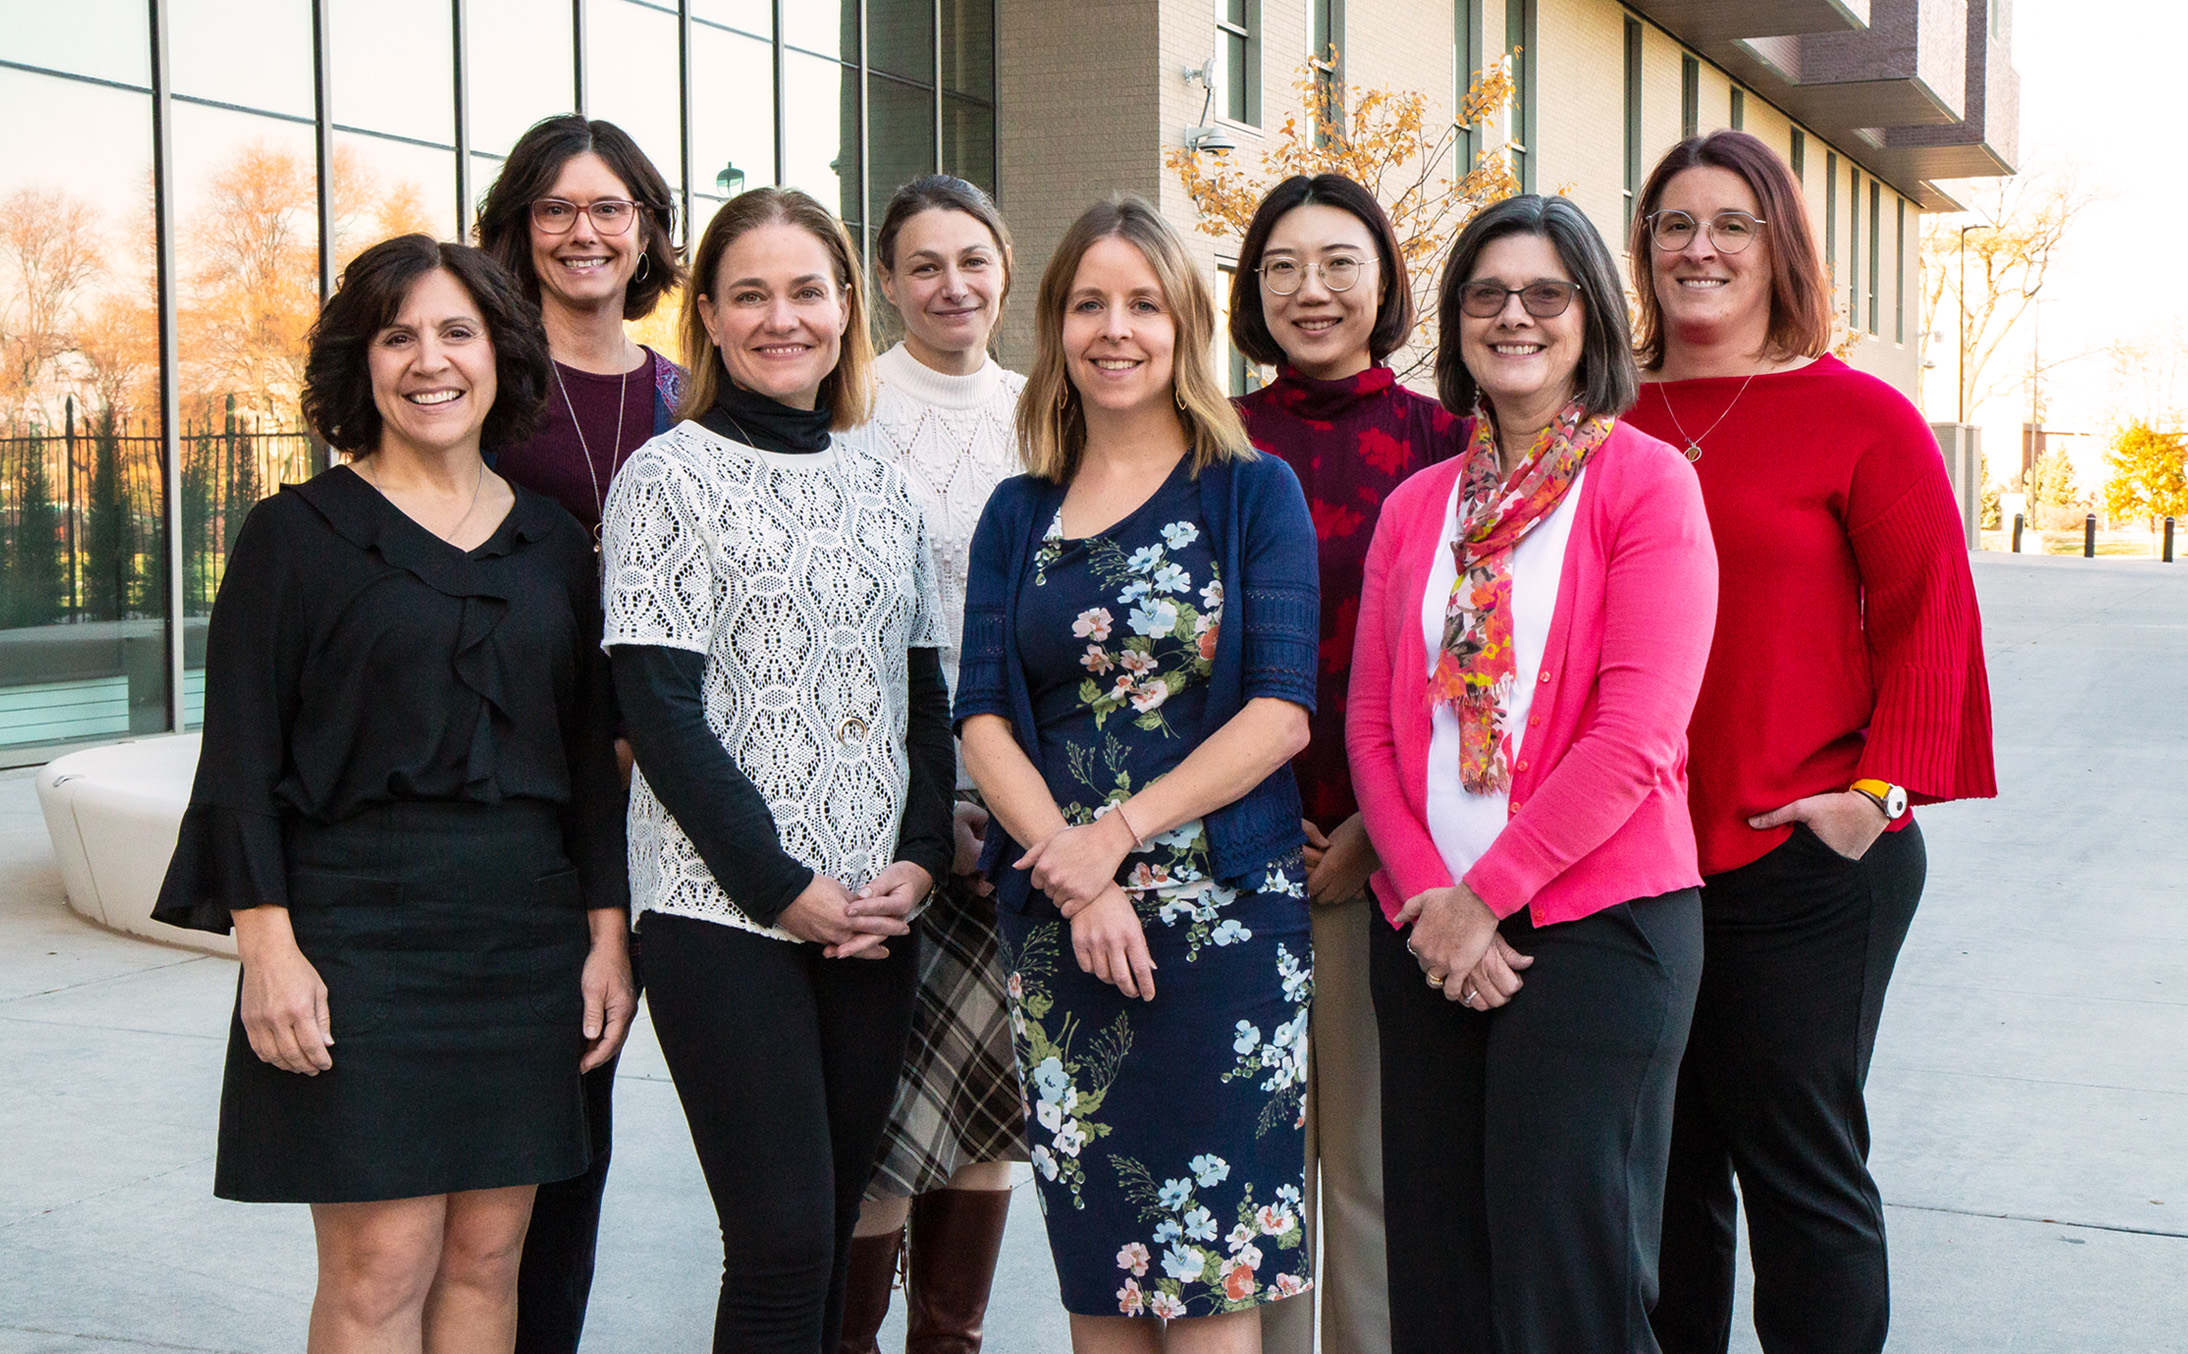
1351	442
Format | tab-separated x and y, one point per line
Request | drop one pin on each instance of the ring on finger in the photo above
1435	980
1466	998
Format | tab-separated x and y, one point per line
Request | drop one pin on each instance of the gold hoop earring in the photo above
1179	396
1063	397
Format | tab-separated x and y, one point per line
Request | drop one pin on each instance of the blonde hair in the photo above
1051	415
848	391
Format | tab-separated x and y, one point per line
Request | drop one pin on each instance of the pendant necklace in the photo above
357	468
622	388
1693	450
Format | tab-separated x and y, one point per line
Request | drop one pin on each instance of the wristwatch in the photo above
1891	800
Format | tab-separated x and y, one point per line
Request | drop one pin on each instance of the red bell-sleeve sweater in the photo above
1350	442
1848	642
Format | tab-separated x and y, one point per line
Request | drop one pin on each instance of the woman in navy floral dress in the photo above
1138	666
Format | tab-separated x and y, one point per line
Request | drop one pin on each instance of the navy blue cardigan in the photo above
1263	539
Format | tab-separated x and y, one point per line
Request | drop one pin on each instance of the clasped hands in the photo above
1455	941
1077	868
857	925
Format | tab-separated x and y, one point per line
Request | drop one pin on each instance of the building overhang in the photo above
1911	90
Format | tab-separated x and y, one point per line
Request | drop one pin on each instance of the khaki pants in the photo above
1344	1154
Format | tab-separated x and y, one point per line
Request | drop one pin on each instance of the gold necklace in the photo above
358	466
622	389
1693	451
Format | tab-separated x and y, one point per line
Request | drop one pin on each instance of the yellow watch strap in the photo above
1874	788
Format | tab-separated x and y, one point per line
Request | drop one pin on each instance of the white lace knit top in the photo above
803	579
954	438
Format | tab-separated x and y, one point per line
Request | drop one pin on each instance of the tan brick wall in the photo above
1093	91
1078	103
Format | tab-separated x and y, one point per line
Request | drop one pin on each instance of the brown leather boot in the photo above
866	1296
955	1236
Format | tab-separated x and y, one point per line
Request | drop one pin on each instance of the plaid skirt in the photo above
959	1102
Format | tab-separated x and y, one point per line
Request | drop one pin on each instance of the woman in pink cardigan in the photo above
1534	622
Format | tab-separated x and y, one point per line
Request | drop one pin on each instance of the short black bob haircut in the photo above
1393	315
535	162
338	373
1608	381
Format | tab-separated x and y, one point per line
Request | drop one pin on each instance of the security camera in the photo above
1211	138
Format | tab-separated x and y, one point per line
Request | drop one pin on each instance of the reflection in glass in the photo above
521	70
103	38
968	141
732	132
755	17
395	67
252	52
631	80
900	136
823	27
968	47
820	132
247	258
900	38
384	188
83	583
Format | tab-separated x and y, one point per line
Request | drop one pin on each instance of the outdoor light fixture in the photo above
731	180
1208	136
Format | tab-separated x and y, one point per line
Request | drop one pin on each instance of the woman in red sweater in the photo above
1321	294
1534	620
1846	682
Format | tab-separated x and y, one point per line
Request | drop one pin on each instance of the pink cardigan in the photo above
1599	788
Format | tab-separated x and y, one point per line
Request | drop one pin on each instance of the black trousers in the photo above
1523	1149
1801	945
786	1064
555	1278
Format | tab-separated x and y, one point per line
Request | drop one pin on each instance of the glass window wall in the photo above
87	631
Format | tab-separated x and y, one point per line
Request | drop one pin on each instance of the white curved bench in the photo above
113	813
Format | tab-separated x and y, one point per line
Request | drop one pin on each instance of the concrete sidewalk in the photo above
2030	1092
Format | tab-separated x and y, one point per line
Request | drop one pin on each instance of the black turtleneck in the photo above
699	782
746	416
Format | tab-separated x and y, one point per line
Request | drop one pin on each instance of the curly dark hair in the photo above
504	226
338	374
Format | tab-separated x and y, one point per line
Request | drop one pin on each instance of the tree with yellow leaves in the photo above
2149	474
1386	142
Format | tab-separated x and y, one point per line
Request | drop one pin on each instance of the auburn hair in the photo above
1800	299
1051	413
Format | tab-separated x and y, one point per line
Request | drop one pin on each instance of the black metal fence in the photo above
82	534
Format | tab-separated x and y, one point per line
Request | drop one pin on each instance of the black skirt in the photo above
451	938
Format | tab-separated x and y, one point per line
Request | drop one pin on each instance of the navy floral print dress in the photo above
1167	1137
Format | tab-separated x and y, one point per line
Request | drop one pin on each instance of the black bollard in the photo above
2168	540
2089	536
2019	521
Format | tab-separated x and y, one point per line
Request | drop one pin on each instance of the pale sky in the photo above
2100	90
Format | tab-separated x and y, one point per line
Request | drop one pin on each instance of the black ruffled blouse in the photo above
354	658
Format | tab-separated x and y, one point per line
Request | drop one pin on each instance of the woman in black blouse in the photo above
406	807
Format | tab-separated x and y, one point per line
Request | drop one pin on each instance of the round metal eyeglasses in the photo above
1341	272
558	216
1729	232
1543	299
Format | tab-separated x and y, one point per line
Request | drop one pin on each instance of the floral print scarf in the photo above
1477	666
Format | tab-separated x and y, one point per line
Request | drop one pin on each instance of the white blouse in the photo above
803	578
955	439
1464	826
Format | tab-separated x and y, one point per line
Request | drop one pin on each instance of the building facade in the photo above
185	178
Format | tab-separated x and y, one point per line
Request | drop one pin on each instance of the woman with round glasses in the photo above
1534	619
1321	294
586	225
1845	682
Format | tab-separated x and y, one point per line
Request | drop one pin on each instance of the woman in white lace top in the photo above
775	634
943	411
